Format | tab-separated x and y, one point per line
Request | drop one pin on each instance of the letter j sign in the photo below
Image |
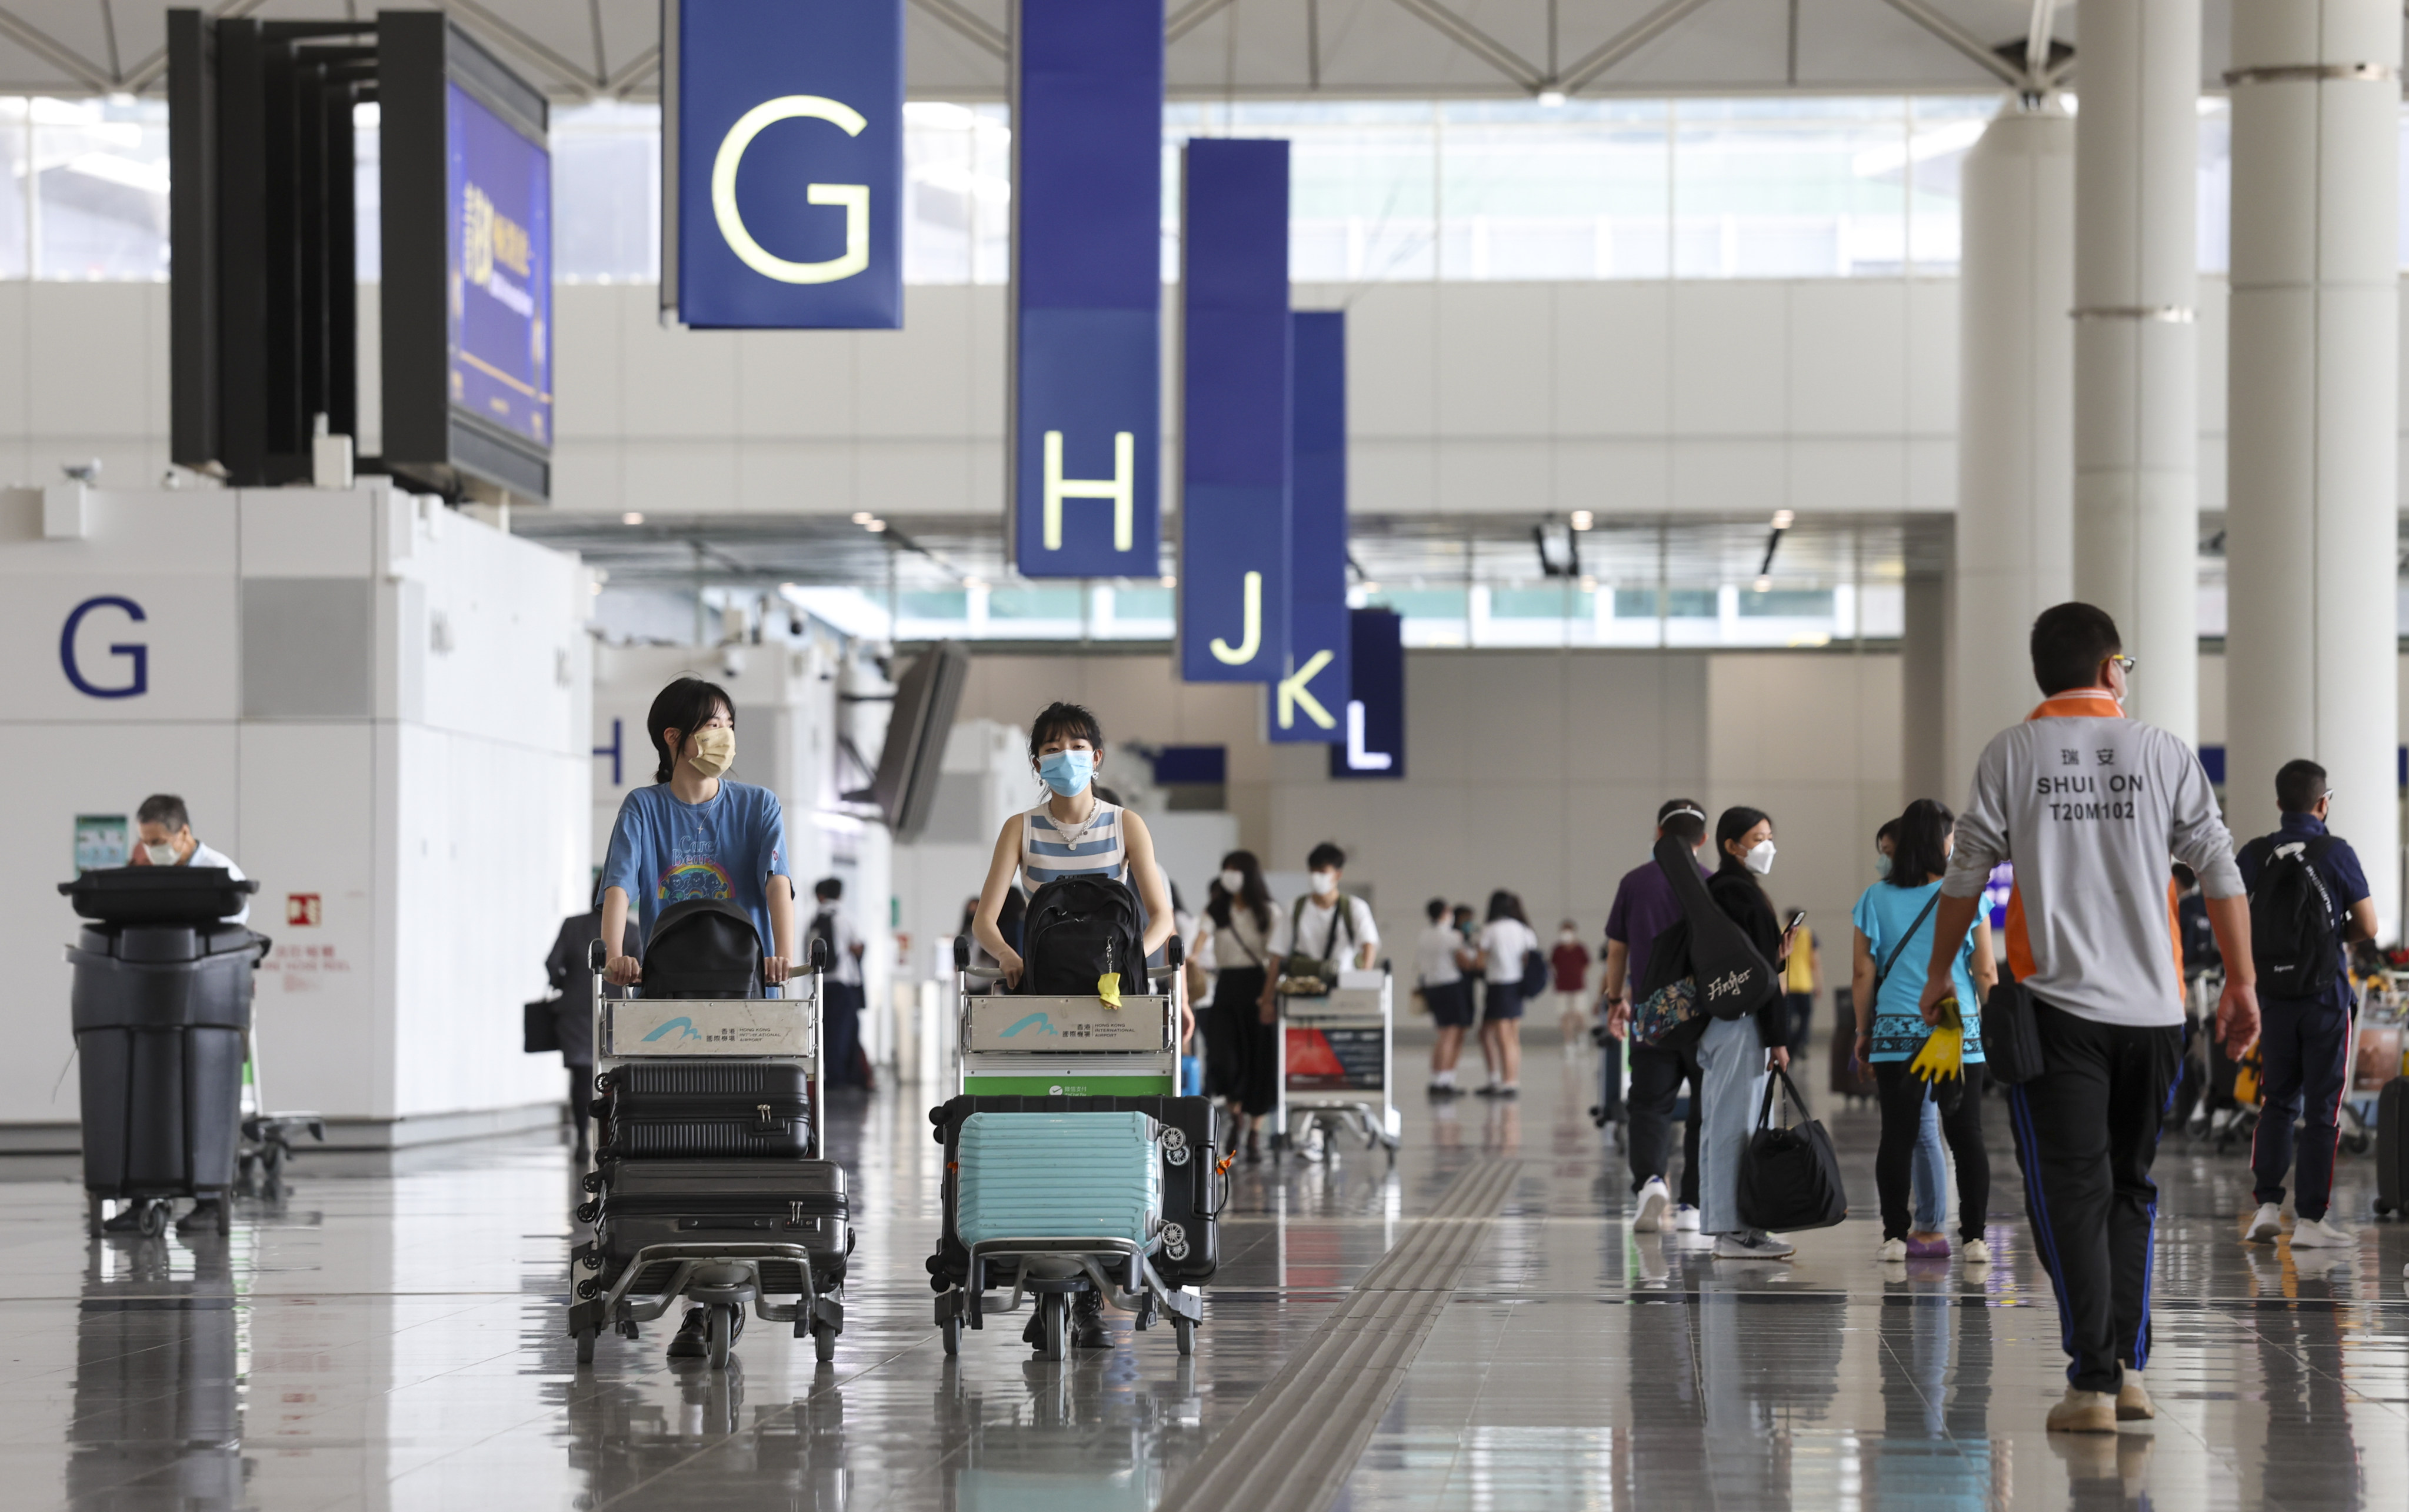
785	141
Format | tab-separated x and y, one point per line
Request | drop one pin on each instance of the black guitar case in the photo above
1734	978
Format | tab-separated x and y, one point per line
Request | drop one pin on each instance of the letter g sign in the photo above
855	198
136	652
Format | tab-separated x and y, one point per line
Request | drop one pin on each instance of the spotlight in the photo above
863	517
873	527
1765	584
1583	520
1785	519
1552	98
632	517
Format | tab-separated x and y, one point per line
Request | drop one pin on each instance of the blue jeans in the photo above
1931	1188
1731	1057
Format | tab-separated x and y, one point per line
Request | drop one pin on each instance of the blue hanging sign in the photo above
1086	420
785	141
1376	700
1308	703
1235	412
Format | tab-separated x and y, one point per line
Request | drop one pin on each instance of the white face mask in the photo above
1324	884
1760	857
1233	883
161	855
1569	937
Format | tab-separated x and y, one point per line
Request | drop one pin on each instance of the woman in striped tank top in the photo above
1072	833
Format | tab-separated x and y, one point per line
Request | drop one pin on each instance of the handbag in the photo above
2011	1033
1305	976
1788	1176
541	1029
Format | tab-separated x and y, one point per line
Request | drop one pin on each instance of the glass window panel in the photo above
13	188
1422	603
1362	187
2215	212
1033	604
1944	131
934	605
1142	603
1680	603
367	192
1540	604
1787	603
1789	187
1576	190
101	189
607	195
958	192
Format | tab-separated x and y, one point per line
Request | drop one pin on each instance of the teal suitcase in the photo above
1046	1175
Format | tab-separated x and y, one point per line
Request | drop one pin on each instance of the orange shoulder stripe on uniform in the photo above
2079	703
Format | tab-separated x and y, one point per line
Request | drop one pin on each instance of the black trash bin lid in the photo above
159	894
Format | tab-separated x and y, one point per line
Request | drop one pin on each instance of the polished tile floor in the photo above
394	1342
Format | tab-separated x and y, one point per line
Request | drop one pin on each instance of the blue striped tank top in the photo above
1045	854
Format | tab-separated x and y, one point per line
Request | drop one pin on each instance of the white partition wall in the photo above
378	708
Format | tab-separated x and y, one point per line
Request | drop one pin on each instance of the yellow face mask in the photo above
715	750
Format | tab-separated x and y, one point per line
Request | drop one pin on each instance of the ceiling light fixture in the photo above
1785	519
1765	584
1583	519
863	517
873	527
632	517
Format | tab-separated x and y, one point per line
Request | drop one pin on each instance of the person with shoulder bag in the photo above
1241	1055
2087	1035
1892	919
1746	1032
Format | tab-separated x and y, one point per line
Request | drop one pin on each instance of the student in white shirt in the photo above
1505	940
1439	959
1316	926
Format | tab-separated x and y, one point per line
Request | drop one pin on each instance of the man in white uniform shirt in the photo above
164	837
1313	926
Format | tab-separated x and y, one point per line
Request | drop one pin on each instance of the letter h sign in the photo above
1121	488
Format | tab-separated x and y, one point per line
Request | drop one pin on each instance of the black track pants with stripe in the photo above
2086	1130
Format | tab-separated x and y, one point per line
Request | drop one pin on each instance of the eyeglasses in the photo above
2125	662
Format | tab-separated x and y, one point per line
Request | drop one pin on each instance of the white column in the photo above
2015	419
2136	350
2314	376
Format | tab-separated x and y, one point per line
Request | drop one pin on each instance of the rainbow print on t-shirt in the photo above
689	880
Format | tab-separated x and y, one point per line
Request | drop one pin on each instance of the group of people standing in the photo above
1452	956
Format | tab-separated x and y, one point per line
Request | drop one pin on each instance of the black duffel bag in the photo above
1789	1178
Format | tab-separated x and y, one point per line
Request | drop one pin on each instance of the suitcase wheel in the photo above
1184	1333
154	1217
585	1346
2383	1208
953	1335
823	1343
719	1328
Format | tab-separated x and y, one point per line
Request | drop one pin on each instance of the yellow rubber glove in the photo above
1944	1048
1109	987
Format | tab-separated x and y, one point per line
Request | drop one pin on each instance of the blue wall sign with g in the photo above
788	136
129	680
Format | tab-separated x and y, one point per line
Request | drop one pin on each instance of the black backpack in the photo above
823	928
1080	928
705	948
2292	939
1534	972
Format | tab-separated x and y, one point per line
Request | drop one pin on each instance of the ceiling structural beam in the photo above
635	71
2044	18
528	47
1624	43
42	45
1191	16
1959	39
1479	43
969	23
154	67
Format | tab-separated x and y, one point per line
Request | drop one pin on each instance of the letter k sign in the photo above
1293	693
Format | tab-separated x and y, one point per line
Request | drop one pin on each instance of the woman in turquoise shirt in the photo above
1895	912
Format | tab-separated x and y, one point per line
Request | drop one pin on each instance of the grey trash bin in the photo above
160	1011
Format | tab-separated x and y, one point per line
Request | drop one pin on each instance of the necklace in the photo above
1072	832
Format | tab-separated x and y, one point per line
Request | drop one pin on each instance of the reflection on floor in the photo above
395	1342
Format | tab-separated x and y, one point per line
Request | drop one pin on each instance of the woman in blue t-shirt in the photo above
1894	941
695	834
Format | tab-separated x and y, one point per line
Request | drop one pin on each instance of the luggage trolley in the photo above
1335	1070
721	1275
1050	1054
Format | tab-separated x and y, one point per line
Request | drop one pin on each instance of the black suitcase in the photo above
1608	1109
645	1203
1192	1190
2392	1147
1850	1077
688	1109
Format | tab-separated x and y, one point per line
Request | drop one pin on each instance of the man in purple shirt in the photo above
1645	907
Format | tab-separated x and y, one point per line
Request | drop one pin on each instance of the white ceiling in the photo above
1222	49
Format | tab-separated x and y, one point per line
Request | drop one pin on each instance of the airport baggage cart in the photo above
1336	1066
161	1010
713	1210
1067	1117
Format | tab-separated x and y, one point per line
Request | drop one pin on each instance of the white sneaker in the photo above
1892	1249
2084	1412
2321	1233
1761	1246
1976	1252
2264	1225
1685	1218
1654	1203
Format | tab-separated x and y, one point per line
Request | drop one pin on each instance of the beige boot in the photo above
2084	1412
2133	1404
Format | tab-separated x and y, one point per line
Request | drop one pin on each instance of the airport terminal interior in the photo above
1177	755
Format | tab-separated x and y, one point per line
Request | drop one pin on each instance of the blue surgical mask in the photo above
1882	865
1067	771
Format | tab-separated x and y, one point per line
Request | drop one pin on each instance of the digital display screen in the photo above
498	196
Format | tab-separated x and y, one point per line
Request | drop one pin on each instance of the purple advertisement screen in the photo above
498	192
